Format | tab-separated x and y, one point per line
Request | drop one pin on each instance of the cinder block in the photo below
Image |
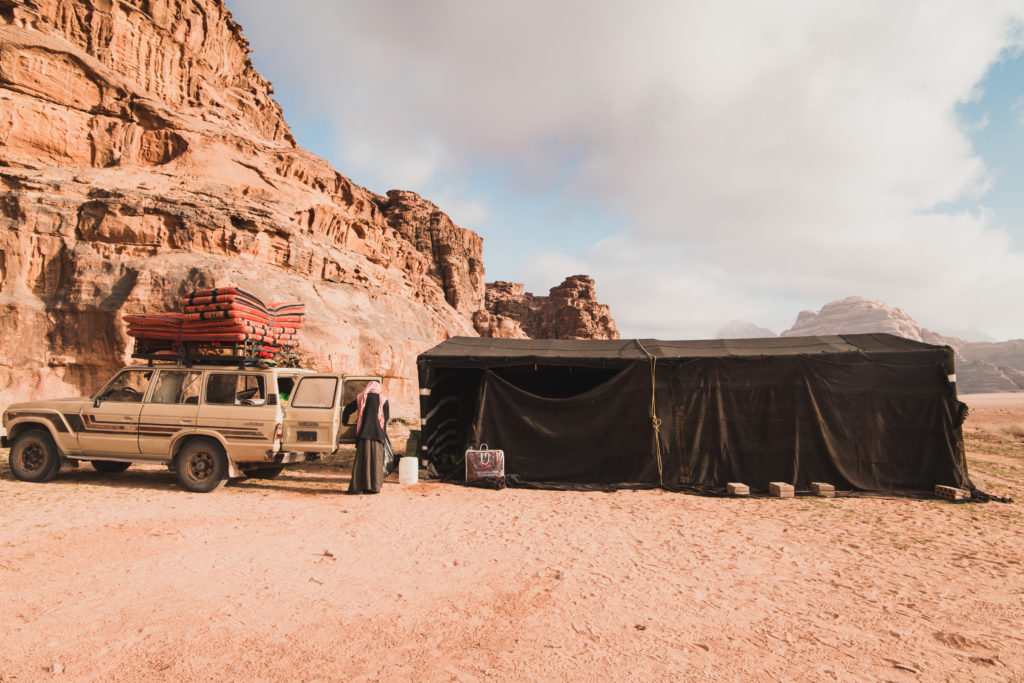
780	489
822	489
952	493
737	489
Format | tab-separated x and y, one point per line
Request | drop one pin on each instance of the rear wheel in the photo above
34	456
201	466
111	466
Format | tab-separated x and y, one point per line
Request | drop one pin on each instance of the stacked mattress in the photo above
224	316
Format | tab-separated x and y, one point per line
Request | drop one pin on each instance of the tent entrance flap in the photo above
600	436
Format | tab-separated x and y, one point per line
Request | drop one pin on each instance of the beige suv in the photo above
206	422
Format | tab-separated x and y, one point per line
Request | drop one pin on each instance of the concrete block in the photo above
952	493
780	489
823	490
737	489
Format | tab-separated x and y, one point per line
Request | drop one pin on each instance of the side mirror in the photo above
96	403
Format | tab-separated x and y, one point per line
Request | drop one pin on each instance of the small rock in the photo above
640	627
56	668
559	575
328	553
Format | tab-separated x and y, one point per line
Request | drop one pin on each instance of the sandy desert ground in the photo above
126	577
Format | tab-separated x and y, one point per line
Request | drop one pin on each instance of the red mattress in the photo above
224	315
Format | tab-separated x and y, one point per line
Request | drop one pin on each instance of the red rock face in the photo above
141	156
571	311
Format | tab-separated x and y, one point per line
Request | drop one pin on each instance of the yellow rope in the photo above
655	420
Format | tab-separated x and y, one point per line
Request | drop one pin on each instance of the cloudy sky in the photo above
703	161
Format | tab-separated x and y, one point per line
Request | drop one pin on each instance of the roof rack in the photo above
187	354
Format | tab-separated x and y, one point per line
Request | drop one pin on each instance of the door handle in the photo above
128	418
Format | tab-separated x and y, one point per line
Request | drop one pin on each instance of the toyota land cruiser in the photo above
205	422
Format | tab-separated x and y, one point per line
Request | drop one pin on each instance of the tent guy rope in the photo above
655	420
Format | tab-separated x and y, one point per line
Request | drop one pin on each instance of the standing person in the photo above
371	434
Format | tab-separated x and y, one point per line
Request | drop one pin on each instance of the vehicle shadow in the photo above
161	479
142	479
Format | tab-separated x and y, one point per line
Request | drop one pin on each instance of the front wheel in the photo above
34	456
201	466
111	466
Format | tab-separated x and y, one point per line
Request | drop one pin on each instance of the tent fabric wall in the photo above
864	412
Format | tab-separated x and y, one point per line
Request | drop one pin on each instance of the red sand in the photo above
126	577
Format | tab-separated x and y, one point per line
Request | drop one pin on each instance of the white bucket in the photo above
408	470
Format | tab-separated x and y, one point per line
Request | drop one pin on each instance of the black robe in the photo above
368	467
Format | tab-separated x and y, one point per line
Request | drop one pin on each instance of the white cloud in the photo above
767	156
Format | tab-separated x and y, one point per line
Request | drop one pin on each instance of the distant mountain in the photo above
741	329
857	314
982	367
970	334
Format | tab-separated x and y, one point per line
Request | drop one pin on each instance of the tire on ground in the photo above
111	466
201	466
34	456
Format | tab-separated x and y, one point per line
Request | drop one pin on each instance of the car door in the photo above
170	409
235	406
312	417
354	386
110	426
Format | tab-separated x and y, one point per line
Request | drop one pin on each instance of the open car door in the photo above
312	418
354	386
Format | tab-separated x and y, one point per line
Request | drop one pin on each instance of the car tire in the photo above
264	472
201	466
109	466
34	456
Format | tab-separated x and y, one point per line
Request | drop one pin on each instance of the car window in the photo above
315	392
128	387
285	384
224	388
176	386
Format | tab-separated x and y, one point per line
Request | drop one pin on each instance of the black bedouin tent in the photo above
870	412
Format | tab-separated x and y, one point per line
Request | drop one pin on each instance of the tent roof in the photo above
489	352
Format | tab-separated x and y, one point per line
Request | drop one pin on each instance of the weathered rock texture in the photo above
981	366
141	156
570	311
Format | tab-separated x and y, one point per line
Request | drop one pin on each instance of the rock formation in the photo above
141	156
857	314
570	311
981	366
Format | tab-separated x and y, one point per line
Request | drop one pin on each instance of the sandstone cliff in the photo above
981	366
570	311
141	155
